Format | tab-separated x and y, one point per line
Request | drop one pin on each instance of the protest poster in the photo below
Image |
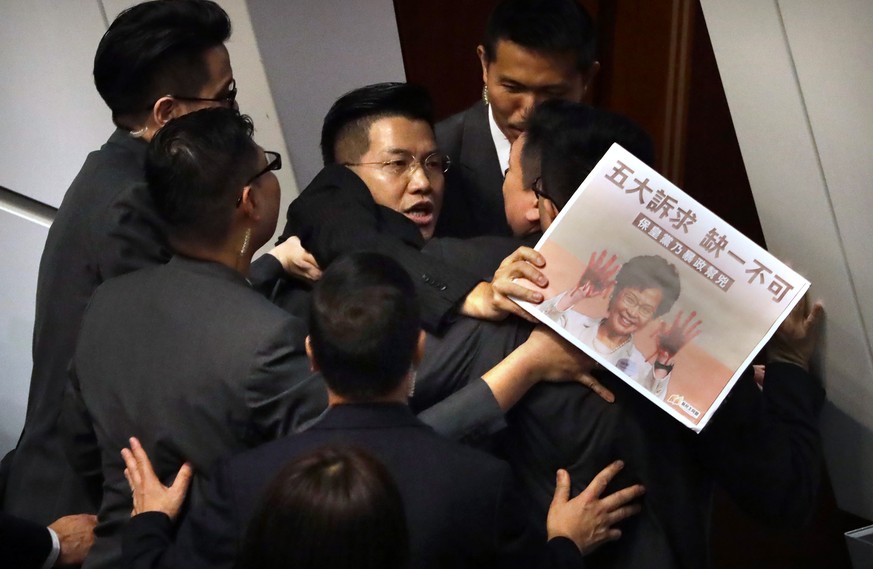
658	289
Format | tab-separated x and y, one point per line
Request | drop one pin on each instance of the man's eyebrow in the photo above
405	152
509	80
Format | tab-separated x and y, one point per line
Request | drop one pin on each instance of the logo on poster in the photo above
679	401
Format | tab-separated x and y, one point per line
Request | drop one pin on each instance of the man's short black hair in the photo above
568	139
364	325
346	130
543	26
196	167
650	271
154	49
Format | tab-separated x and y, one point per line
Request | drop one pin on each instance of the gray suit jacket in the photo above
191	359
106	226
473	203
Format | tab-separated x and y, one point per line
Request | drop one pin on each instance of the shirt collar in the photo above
501	143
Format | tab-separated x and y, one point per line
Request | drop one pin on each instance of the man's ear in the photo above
418	354
589	76
164	110
532	214
313	365
483	59
248	203
548	212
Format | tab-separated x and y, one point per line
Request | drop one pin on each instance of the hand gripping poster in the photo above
658	289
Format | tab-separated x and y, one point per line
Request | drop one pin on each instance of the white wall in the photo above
50	113
798	76
316	51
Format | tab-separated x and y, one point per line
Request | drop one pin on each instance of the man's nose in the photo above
419	180
540	98
528	102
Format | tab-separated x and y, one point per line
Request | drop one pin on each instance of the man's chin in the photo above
426	232
512	133
426	224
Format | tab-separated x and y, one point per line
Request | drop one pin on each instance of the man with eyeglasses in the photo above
381	190
186	354
381	160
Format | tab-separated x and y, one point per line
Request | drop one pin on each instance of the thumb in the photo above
815	315
562	488
183	479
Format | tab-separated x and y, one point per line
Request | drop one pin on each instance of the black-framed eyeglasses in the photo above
228	98
404	164
274	162
537	188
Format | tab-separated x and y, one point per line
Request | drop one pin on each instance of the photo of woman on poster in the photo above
642	289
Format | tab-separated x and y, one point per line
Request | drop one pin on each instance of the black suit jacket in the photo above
23	544
190	359
106	226
461	507
762	447
336	214
473	203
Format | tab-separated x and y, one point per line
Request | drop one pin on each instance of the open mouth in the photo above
421	213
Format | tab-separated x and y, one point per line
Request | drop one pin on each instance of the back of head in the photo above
154	49
336	507
346	130
364	325
196	167
543	26
568	139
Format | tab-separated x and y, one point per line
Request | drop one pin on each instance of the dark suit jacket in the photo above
23	544
336	214
105	227
192	360
473	203
460	504
762	447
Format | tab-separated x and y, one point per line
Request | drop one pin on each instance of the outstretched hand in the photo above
297	261
670	339
597	279
588	519
796	339
149	495
491	301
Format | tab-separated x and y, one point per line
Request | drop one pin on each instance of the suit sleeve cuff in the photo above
564	553
470	415
55	552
